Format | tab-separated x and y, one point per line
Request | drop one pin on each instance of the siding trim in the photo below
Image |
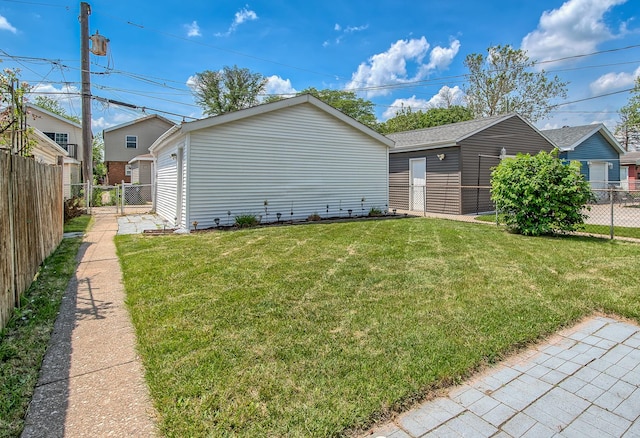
186	190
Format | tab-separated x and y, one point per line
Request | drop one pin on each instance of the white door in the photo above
598	175
624	177
418	186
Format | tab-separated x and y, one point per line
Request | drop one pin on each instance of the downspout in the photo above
185	189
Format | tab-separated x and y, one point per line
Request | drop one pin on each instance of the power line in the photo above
618	49
592	97
141	108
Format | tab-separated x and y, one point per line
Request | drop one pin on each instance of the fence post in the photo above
611	212
12	235
424	200
124	195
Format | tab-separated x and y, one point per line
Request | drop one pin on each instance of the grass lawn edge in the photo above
25	338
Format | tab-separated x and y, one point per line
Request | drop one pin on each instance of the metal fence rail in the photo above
613	207
122	198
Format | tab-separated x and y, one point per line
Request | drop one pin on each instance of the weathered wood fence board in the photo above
31	224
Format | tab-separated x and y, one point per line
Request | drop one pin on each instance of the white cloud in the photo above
344	31
100	124
574	28
351	29
193	30
192	82
614	81
412	102
243	15
5	25
445	98
390	67
277	85
441	57
67	95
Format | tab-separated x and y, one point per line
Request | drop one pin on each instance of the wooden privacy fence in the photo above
31	224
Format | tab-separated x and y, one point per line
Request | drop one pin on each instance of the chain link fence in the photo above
136	198
614	206
119	199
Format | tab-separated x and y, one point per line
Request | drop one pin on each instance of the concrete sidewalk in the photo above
91	382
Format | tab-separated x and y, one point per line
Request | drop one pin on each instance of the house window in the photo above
61	138
127	170
131	141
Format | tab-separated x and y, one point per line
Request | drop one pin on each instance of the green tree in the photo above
14	135
229	89
99	168
346	102
406	119
628	130
541	194
502	82
54	106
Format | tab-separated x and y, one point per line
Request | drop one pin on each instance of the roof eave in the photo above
135	121
424	147
281	104
158	144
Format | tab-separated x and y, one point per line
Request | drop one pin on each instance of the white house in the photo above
295	157
67	135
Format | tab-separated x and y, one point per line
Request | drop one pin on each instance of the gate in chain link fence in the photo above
119	199
97	199
136	198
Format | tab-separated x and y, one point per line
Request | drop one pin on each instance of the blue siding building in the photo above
595	147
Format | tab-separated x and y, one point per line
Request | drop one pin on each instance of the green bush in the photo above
246	220
540	194
375	212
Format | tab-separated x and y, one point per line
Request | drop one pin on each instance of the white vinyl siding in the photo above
166	187
299	158
134	172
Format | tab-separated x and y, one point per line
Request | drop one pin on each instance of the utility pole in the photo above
87	140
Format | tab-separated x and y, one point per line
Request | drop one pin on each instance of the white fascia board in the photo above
285	103
163	140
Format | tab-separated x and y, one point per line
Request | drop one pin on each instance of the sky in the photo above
393	53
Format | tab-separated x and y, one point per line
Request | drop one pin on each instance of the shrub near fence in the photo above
31	224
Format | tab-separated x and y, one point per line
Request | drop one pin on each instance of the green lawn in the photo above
322	329
24	340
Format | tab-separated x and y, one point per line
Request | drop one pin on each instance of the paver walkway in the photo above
583	382
138	223
91	383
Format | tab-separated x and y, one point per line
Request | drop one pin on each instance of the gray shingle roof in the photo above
567	137
450	133
630	158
